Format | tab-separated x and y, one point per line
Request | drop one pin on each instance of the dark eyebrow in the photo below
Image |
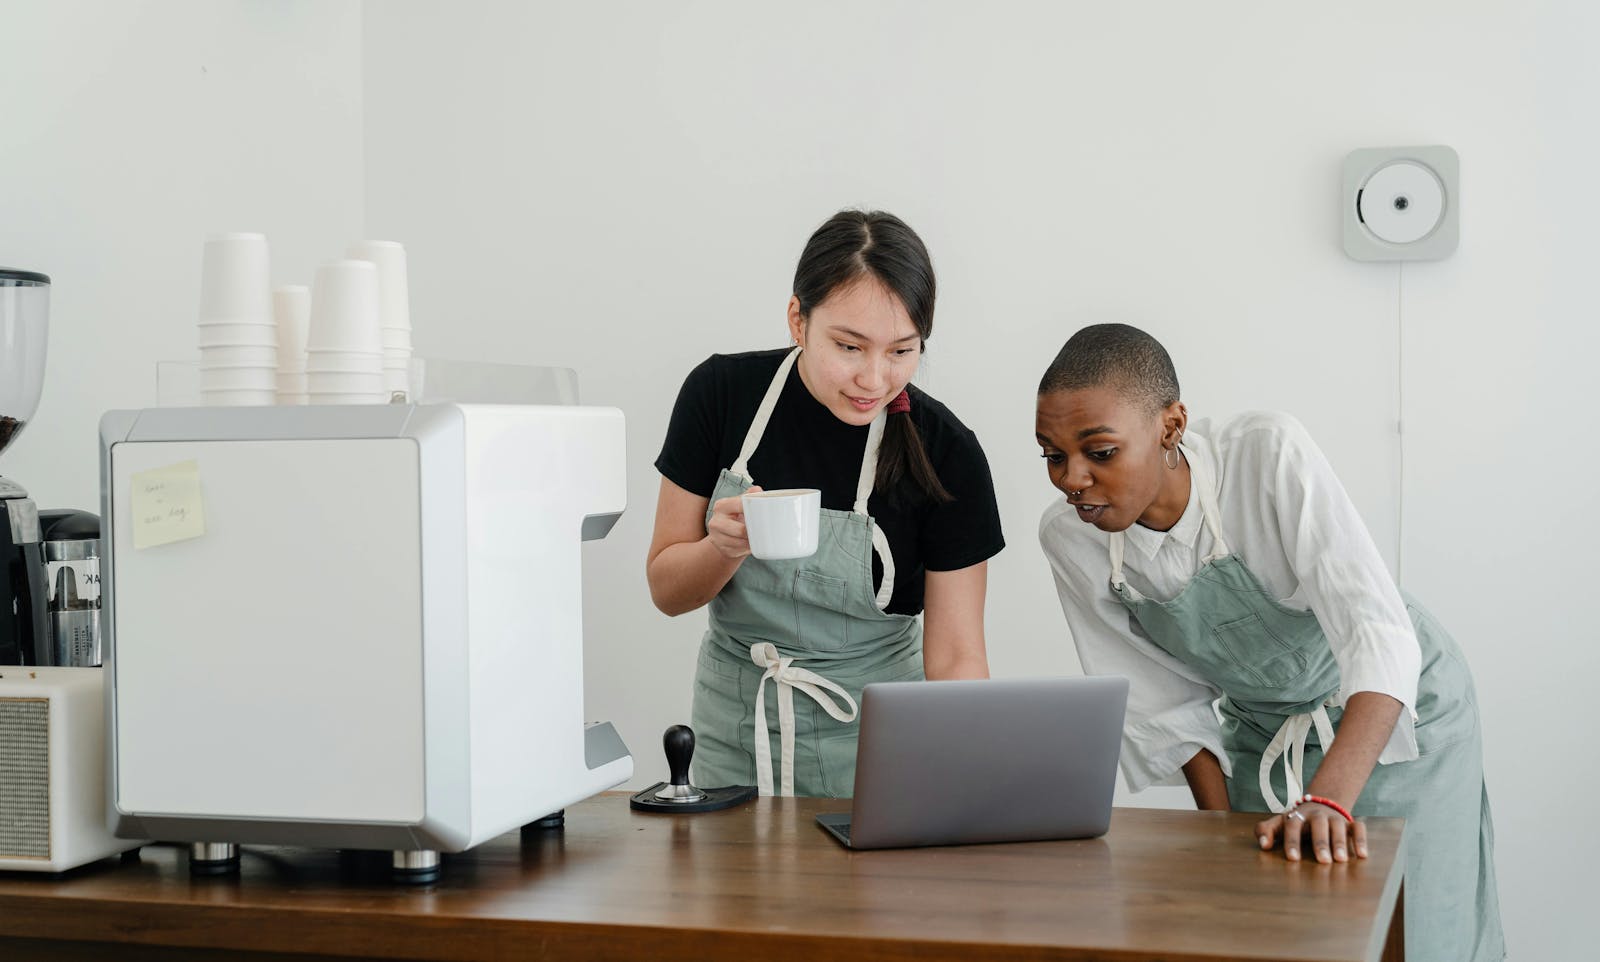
1091	432
862	337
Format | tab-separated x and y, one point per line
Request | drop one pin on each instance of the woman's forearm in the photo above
1369	719
686	576
952	623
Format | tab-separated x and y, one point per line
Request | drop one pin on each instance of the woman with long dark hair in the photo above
908	522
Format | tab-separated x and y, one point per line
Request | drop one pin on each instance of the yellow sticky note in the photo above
166	505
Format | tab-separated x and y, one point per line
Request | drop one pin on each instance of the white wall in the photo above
130	131
624	188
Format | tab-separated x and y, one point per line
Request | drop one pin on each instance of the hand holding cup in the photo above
726	527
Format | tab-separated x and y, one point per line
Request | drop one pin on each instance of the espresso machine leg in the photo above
415	866
213	858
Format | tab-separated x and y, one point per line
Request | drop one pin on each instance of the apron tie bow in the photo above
1290	744
782	671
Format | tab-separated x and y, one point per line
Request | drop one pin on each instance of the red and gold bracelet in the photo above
1330	803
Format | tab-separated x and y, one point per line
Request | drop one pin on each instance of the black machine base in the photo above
715	800
556	819
214	867
414	876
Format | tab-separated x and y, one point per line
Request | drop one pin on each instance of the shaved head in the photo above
1117	356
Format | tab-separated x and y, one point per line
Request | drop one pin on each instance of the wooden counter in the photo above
754	883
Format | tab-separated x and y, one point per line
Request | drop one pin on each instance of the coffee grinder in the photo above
24	614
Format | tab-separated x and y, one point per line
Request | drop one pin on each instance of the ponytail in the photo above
902	455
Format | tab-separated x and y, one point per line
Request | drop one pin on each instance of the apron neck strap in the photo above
1210	509
758	424
1210	512
1118	548
869	463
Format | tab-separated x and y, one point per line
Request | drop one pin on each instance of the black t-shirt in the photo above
805	446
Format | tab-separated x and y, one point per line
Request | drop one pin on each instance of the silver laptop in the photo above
960	762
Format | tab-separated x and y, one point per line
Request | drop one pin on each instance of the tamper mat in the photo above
715	800
678	742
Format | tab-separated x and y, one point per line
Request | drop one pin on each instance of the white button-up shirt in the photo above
1287	517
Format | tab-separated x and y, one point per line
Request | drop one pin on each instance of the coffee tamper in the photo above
678	795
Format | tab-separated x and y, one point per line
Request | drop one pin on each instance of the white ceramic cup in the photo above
394	298
291	308
234	284
344	308
783	524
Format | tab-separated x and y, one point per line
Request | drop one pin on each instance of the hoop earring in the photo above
1173	462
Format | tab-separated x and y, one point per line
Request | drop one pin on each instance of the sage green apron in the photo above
1279	682
809	625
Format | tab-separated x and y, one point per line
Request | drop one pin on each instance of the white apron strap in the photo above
787	677
1210	511
758	424
1118	547
1290	744
869	474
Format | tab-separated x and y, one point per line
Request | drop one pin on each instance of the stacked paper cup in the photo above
394	309
238	340
344	350
291	308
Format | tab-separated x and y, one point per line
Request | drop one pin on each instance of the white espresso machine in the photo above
353	627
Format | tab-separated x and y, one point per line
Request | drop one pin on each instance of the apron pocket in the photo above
820	621
1259	653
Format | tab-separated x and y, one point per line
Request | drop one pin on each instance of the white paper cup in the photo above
347	398
344	308
291	399
241	398
336	382
238	379
291	309
394	340
417	372
344	361
783	524
232	355
234	285
394	298
239	335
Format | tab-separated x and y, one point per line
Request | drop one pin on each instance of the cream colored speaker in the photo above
53	769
